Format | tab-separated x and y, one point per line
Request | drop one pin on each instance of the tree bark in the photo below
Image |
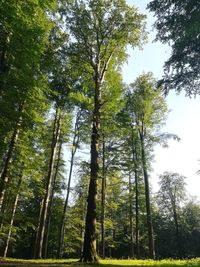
37	231
147	198
131	217
49	213
12	218
62	228
42	223
137	233
103	202
84	209
5	171
64	218
5	206
135	163
178	243
89	247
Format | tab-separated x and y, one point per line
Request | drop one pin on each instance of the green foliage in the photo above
172	191
24	40
178	24
147	104
60	55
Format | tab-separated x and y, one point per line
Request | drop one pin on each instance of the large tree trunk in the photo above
135	163
89	247
42	223
12	218
5	171
64	218
49	213
103	202
147	198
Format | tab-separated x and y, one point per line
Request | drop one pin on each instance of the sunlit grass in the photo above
102	263
158	263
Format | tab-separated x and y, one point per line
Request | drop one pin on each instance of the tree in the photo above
48	185
136	169
74	146
76	211
148	109
101	32
51	199
58	94
26	166
12	217
20	72
178	24
191	228
172	194
112	102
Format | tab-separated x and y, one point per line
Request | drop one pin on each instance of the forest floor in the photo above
102	263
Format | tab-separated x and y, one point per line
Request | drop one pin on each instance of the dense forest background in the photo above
61	91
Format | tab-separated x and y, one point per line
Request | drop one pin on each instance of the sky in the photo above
183	119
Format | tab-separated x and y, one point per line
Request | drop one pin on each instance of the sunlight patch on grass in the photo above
159	263
102	263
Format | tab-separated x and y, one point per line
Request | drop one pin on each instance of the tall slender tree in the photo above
74	147
49	212
48	187
7	241
101	32
149	112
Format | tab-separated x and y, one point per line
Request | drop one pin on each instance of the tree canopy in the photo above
77	142
177	24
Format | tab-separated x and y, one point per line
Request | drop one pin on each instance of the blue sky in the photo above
183	119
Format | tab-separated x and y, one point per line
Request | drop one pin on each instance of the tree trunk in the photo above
137	234
5	171
42	223
103	203
135	163
131	216
147	198
178	243
64	218
49	213
37	231
5	206
12	218
84	209
62	228
89	247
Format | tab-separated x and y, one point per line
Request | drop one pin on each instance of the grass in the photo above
103	263
158	263
40	262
